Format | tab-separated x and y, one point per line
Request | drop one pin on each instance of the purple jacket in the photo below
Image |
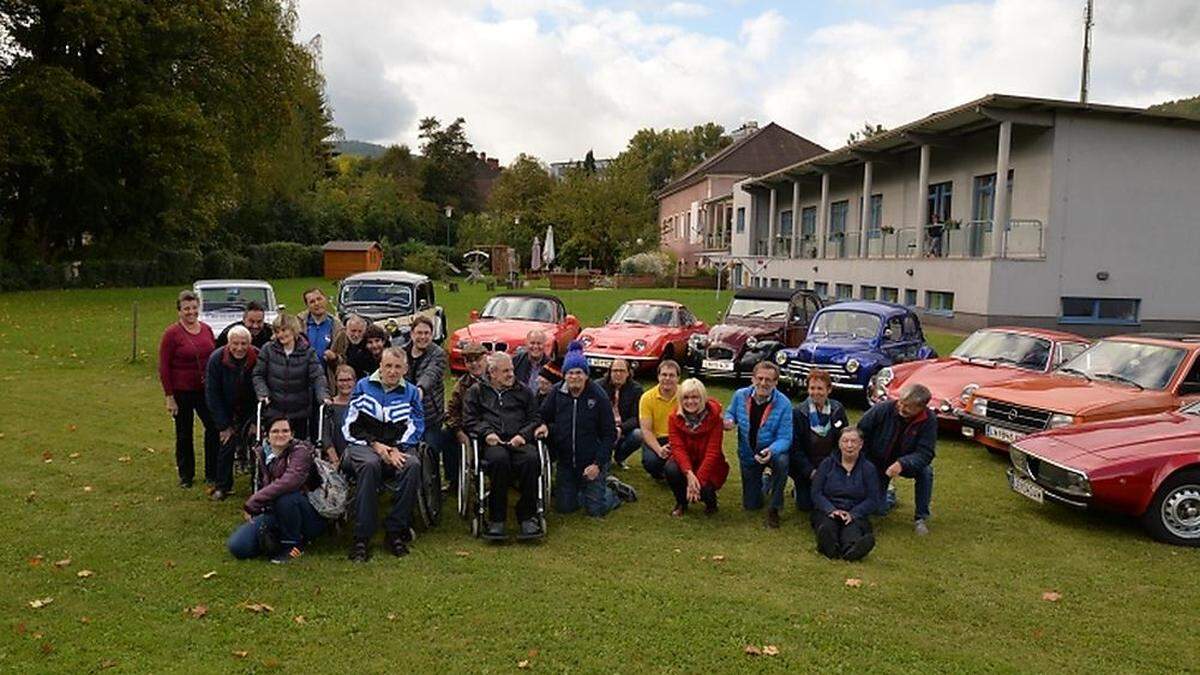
287	473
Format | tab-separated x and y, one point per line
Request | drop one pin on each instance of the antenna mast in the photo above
1087	52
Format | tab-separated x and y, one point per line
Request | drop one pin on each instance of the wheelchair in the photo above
473	488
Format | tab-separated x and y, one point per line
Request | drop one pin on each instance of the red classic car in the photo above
642	332
1122	376
987	357
1141	466
508	317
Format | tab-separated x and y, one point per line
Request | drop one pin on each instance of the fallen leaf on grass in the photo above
770	650
21	629
462	554
209	575
1052	596
124	459
523	665
47	455
718	558
31	496
391	617
258	607
240	653
87	488
149	449
36	560
753	650
271	663
853	583
73	455
39	603
47	648
300	619
72	427
85	619
84	574
169	563
62	563
198	612
678	550
107	663
533	653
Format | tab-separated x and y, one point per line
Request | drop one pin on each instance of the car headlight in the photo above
979	407
751	341
781	357
587	340
462	344
1059	420
852	366
390	325
885	376
698	340
967	392
945	408
1077	484
639	345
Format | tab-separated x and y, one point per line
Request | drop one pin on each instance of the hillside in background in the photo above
360	149
1184	106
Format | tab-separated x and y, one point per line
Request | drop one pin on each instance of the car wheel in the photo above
1174	513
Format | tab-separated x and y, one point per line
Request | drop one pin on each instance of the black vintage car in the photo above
391	300
757	324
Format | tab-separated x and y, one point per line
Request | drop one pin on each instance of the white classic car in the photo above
222	300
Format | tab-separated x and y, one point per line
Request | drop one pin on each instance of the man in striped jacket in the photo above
384	424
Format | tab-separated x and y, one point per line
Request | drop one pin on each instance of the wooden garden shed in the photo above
343	258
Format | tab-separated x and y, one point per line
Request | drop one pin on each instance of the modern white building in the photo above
1099	218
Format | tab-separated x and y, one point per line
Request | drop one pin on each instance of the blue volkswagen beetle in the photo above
853	340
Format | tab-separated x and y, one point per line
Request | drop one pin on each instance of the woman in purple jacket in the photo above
279	518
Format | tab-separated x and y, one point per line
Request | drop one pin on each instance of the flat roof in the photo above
388	275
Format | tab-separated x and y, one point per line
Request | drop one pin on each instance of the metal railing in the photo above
1023	238
843	244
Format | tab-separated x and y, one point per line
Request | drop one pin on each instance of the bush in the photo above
225	264
285	259
156	269
30	276
428	262
655	263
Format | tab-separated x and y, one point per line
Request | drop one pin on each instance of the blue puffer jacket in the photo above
391	416
774	433
582	429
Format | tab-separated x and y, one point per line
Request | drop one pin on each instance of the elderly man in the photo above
763	418
319	325
577	418
654	417
625	394
229	392
349	343
384	423
503	415
899	438
427	364
475	358
254	318
530	358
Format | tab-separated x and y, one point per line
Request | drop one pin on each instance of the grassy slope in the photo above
630	592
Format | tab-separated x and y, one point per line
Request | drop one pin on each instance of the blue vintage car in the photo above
852	341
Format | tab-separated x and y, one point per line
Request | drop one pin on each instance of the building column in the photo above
771	206
823	216
922	199
1000	203
796	218
865	219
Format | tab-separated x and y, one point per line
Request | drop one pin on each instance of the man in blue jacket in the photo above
763	417
899	438
384	423
229	392
577	418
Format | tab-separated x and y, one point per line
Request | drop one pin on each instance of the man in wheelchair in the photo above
384	423
502	414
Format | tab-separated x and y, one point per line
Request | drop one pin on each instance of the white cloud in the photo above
760	35
686	10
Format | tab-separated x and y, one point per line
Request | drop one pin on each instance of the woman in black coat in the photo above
288	377
817	425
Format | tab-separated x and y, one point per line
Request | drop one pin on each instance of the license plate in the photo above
1002	434
599	363
714	364
1028	488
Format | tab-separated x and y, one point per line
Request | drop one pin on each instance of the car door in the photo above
893	343
1189	387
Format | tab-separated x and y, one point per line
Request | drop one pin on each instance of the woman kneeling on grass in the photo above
845	490
697	467
280	519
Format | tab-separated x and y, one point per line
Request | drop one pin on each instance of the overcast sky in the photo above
556	77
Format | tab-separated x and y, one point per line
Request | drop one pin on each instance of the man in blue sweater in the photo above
899	438
763	417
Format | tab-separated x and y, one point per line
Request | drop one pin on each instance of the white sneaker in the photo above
921	528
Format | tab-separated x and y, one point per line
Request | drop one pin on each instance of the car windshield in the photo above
1022	351
856	324
393	294
636	312
231	298
759	309
518	307
1191	409
1138	365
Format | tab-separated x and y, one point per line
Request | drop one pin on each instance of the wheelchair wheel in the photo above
464	480
544	486
429	492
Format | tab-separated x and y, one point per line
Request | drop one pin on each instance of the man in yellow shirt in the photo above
654	413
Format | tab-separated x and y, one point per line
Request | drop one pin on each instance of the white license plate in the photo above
1028	488
599	363
1002	434
714	364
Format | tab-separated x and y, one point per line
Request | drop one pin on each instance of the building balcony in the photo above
1022	239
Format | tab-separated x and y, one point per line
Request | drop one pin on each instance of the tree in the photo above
670	153
589	162
448	165
1188	107
518	199
866	132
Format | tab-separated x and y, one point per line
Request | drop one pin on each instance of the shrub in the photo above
225	264
655	263
285	259
427	261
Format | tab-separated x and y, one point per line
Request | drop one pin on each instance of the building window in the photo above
741	219
837	217
910	297
984	195
889	294
1121	311
821	288
808	222
875	217
869	293
774	282
939	200
939	302
801	283
844	291
785	224
785	283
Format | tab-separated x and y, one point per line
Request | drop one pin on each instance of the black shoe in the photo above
185	484
772	519
494	531
710	508
219	495
407	535
624	491
396	545
360	551
531	529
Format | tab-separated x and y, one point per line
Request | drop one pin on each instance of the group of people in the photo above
386	399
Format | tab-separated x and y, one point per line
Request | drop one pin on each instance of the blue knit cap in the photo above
575	358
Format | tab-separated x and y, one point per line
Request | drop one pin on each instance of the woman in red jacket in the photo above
697	468
182	356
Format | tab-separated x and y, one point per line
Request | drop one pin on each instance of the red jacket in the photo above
700	450
182	358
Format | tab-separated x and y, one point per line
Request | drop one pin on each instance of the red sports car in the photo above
988	356
508	317
642	332
1145	466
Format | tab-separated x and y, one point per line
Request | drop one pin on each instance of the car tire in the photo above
1174	513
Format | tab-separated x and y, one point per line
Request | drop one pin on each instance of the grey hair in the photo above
916	393
496	359
394	351
240	331
356	318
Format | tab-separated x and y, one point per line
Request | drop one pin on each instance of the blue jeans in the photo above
756	485
573	490
293	519
628	443
922	491
654	464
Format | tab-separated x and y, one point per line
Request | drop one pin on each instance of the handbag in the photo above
331	496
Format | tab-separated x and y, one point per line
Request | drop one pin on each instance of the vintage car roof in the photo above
770	293
1185	340
388	275
660	303
868	307
1048	333
212	283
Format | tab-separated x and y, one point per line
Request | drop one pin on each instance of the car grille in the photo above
1044	473
720	353
495	346
800	370
1031	419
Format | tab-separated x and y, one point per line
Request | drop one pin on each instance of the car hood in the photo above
620	335
1092	444
735	332
1075	395
512	331
824	349
375	312
946	377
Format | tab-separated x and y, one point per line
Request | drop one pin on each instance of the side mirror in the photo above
571	318
280	307
474	315
422	304
1189	388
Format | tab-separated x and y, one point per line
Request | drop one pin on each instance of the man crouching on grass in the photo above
384	424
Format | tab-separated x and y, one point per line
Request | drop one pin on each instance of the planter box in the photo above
634	281
698	282
564	282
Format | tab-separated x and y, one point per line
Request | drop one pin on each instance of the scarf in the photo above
818	420
693	421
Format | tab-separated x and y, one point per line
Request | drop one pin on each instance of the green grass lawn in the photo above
89	476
